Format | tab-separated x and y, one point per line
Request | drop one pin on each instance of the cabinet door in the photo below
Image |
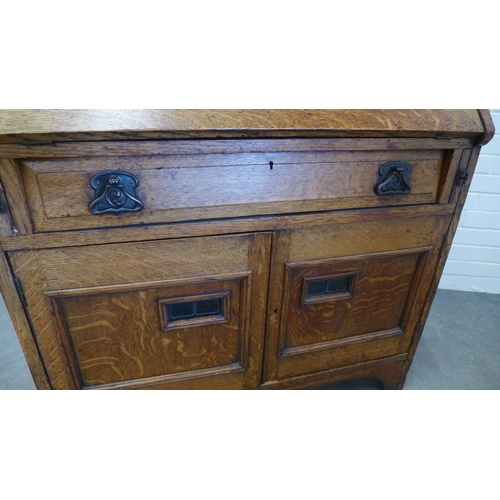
346	294
185	313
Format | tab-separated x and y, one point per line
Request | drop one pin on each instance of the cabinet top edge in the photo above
52	125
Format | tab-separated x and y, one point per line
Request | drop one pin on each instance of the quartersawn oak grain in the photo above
62	125
387	370
107	329
489	127
92	149
107	349
16	197
22	326
85	283
393	262
468	162
217	227
6	225
379	294
202	187
27	268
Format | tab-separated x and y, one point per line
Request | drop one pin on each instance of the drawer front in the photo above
349	294
164	314
66	194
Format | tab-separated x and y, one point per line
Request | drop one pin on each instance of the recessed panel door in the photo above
185	313
348	293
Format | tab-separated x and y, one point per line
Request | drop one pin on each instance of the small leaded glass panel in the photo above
325	287
195	309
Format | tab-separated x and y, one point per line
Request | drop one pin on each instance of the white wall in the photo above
474	260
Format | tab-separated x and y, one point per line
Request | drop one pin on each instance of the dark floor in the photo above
459	349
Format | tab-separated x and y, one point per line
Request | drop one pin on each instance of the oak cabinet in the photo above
228	250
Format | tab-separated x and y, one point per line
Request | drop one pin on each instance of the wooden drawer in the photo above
206	186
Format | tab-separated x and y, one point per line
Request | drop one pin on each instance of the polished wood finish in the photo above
108	327
16	197
449	171
217	227
91	149
489	127
380	291
468	163
17	312
194	187
6	224
107	349
245	206
61	125
392	261
386	370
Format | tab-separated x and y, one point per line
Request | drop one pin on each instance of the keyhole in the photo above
271	164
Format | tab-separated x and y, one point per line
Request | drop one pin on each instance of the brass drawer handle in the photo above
115	193
393	178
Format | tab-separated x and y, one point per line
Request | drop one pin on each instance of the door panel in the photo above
345	294
379	290
126	336
199	316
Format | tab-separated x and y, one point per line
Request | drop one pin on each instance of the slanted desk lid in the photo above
27	126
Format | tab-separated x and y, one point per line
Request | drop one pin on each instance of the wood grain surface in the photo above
6	225
60	125
217	227
119	337
387	370
394	261
489	127
28	269
449	170
143	262
459	196
246	204
379	297
110	149
22	325
325	242
220	378
15	195
107	328
69	195
195	187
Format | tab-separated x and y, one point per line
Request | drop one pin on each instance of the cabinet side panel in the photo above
22	326
468	163
27	268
